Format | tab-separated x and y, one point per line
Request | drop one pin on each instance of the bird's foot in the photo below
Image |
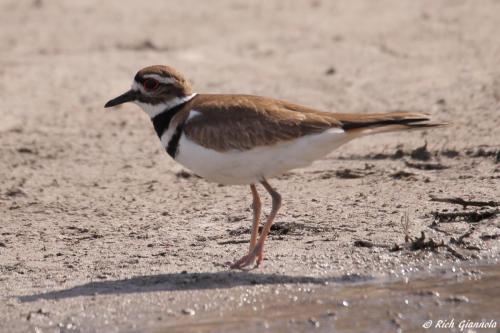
244	262
256	255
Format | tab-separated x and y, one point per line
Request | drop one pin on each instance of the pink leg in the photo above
256	205
257	208
258	250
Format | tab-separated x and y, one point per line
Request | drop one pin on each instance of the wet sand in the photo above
455	300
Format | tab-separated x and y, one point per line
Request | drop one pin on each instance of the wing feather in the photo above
244	122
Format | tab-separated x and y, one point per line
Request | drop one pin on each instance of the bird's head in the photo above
155	89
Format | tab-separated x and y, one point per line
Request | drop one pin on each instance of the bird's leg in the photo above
258	250
256	205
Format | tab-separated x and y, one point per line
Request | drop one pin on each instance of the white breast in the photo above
251	166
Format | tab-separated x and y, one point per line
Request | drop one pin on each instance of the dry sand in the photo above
102	231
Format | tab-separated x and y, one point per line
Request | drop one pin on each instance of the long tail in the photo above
364	124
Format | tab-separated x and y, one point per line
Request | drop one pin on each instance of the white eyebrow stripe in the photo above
165	80
137	87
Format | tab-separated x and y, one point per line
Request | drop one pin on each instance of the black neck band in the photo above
161	123
162	120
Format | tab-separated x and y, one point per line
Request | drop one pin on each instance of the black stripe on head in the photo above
139	79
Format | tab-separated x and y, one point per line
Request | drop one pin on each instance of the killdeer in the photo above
244	139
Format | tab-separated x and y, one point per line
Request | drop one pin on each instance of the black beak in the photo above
129	96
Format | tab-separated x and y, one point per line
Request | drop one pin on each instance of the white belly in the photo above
251	166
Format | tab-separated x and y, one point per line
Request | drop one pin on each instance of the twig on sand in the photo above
465	203
467	234
489	237
422	243
472	217
421	153
416	244
235	241
461	240
369	244
435	226
426	166
406	223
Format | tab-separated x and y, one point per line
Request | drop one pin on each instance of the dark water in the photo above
445	302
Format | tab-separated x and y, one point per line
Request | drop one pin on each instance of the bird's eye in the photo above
150	84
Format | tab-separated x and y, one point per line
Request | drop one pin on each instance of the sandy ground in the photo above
102	231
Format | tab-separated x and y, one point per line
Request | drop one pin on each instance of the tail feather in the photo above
385	122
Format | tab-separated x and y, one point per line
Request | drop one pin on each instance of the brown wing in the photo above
243	122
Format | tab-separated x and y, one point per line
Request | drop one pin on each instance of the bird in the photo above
237	139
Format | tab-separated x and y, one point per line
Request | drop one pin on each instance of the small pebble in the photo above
330	71
189	312
314	322
330	313
457	299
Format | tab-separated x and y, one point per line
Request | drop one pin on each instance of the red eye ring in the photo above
150	84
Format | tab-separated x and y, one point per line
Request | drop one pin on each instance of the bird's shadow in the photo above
185	281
